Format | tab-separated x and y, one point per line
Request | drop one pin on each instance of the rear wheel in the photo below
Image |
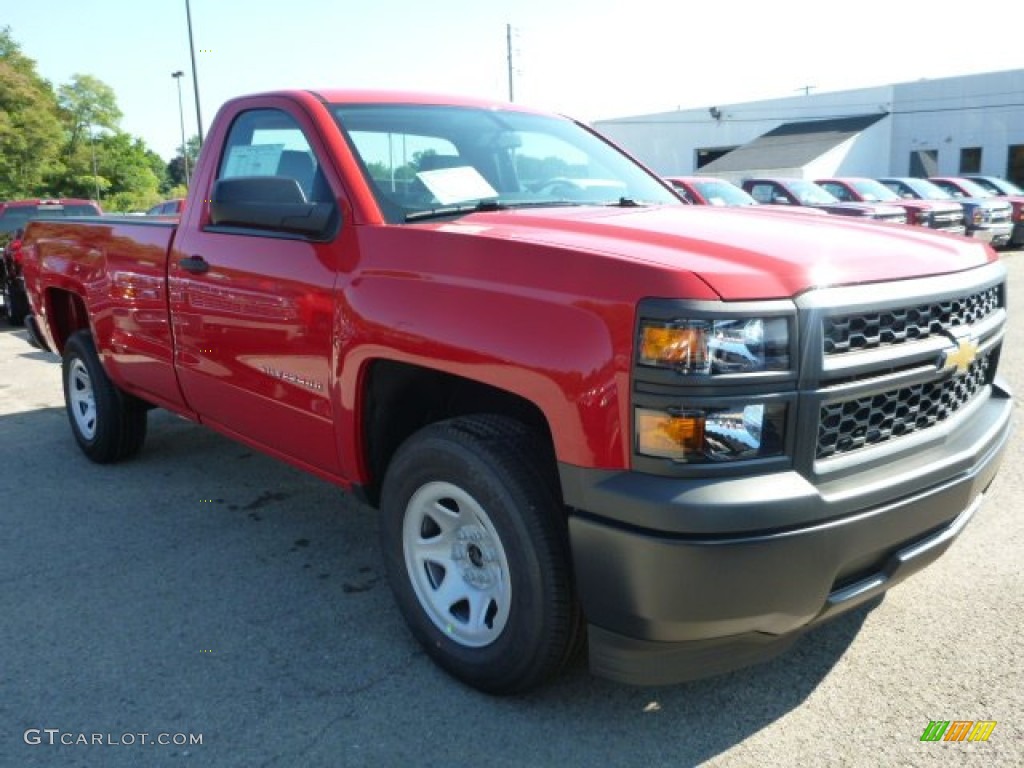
476	551
108	424
15	301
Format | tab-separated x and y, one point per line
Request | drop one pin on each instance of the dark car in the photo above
14	215
935	214
986	218
167	208
989	186
780	191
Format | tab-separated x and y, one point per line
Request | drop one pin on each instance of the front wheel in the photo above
108	424
477	555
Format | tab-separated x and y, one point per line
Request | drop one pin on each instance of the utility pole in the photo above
195	77
806	88
181	114
508	47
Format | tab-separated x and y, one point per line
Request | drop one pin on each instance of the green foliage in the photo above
86	103
30	133
175	171
68	143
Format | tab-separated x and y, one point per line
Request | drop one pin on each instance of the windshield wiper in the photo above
455	210
484	206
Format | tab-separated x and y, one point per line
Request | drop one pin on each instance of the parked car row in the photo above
985	218
983	207
984	187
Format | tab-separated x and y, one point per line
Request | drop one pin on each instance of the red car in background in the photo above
986	186
935	214
14	215
796	192
709	190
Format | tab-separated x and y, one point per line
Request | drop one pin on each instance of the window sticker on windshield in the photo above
456	185
255	160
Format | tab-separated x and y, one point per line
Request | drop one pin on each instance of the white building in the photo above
969	124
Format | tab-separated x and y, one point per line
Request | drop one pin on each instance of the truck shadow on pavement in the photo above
203	587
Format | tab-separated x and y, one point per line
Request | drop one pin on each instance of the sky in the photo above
591	59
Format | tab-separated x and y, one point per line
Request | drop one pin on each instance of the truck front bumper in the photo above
995	234
665	606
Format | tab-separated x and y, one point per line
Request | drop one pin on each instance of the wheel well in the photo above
402	399
66	315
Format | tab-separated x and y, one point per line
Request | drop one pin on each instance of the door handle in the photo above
194	264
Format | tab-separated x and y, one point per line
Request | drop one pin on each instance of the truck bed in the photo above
117	267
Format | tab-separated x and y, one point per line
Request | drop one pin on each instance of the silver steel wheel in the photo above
82	399
456	564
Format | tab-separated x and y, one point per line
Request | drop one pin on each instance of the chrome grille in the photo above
848	425
871	330
951	219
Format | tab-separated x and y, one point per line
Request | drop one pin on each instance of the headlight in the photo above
714	347
711	435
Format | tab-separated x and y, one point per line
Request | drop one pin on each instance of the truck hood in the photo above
738	255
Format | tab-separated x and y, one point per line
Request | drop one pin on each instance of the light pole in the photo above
95	173
195	77
181	113
508	48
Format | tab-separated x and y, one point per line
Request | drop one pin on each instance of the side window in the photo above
838	190
684	193
762	192
270	177
268	142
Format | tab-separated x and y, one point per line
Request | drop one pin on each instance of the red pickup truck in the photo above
586	411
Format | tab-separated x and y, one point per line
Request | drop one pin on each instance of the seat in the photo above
298	165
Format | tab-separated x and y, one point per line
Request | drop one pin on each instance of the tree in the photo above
87	102
124	162
30	132
176	168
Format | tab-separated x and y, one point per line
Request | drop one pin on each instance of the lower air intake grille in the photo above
848	425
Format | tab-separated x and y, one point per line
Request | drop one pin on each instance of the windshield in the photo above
723	193
423	160
925	190
998	186
965	188
873	191
809	193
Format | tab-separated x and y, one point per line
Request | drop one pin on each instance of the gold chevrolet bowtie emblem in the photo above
961	357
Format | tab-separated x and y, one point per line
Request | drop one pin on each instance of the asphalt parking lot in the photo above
203	590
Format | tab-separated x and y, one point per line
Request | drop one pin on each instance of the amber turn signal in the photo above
669	435
684	346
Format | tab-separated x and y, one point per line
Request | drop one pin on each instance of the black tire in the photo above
484	476
16	302
108	424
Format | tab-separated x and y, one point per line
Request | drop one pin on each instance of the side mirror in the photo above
268	202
